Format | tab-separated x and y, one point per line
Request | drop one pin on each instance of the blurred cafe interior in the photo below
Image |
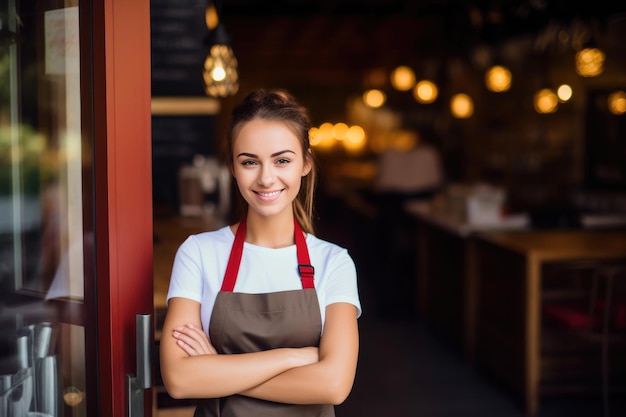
473	161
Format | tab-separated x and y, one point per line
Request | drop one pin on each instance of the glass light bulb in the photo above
218	73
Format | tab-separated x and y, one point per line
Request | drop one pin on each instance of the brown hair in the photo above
279	105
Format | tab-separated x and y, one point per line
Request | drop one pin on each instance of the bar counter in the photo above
481	288
510	269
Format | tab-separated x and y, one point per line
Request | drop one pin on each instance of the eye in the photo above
248	162
282	161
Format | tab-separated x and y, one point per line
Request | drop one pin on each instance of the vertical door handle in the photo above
137	384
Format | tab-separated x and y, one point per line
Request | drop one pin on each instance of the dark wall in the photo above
178	32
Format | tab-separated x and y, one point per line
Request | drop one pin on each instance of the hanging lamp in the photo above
220	71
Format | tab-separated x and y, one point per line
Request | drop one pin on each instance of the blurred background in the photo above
331	54
473	162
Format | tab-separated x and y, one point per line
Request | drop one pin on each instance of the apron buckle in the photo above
305	269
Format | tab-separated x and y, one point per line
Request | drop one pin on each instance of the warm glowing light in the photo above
327	135
356	134
374	98
425	91
546	101
210	17
314	137
220	72
326	131
355	139
403	78
617	102
323	136
462	106
340	131
564	93
590	62
498	79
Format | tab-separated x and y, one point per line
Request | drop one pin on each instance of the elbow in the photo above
175	392
338	392
339	397
175	387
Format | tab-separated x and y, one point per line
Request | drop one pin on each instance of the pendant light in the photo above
498	79
221	78
462	106
590	61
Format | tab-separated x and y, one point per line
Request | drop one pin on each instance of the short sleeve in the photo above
341	281
186	280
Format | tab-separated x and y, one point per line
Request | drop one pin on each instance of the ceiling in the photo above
351	34
330	45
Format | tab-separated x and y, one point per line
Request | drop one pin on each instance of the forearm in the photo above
328	381
320	383
211	376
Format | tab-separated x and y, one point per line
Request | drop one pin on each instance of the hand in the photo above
193	340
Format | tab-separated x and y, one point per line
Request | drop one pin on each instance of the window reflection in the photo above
43	245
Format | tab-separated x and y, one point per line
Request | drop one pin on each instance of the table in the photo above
509	268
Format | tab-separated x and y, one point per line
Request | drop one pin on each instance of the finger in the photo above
195	339
186	348
201	337
188	340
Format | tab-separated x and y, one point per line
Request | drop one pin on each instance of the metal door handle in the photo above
136	385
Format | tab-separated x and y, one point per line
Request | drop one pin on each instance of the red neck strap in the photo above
305	268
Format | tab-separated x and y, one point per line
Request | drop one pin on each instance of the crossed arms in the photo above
191	368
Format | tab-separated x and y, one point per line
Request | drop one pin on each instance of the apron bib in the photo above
242	323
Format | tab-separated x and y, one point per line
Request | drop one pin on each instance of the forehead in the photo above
265	135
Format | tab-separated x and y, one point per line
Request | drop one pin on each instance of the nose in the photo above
266	176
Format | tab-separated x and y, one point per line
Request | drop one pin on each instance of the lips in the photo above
268	195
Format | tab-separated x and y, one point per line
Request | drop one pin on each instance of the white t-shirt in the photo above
201	260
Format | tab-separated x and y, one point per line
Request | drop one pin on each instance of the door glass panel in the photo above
44	241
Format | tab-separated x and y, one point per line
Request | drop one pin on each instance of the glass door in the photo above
67	328
45	240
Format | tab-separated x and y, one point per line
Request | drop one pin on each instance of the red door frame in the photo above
120	31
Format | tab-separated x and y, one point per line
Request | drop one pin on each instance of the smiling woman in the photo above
269	166
262	314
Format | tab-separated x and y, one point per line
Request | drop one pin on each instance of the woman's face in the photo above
268	165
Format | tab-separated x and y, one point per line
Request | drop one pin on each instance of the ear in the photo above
308	164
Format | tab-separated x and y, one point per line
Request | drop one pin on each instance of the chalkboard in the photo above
178	34
178	47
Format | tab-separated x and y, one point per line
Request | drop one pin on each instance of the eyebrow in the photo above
251	155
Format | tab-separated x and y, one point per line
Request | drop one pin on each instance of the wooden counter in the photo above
509	270
446	279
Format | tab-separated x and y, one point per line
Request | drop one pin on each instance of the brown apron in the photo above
243	323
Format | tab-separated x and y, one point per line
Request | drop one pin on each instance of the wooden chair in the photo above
587	300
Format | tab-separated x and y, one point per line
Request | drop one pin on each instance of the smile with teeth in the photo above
273	193
268	195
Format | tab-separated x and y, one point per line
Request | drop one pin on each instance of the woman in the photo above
278	304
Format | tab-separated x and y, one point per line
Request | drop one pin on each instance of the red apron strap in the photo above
305	268
230	277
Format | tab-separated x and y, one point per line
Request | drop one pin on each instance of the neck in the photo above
271	232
